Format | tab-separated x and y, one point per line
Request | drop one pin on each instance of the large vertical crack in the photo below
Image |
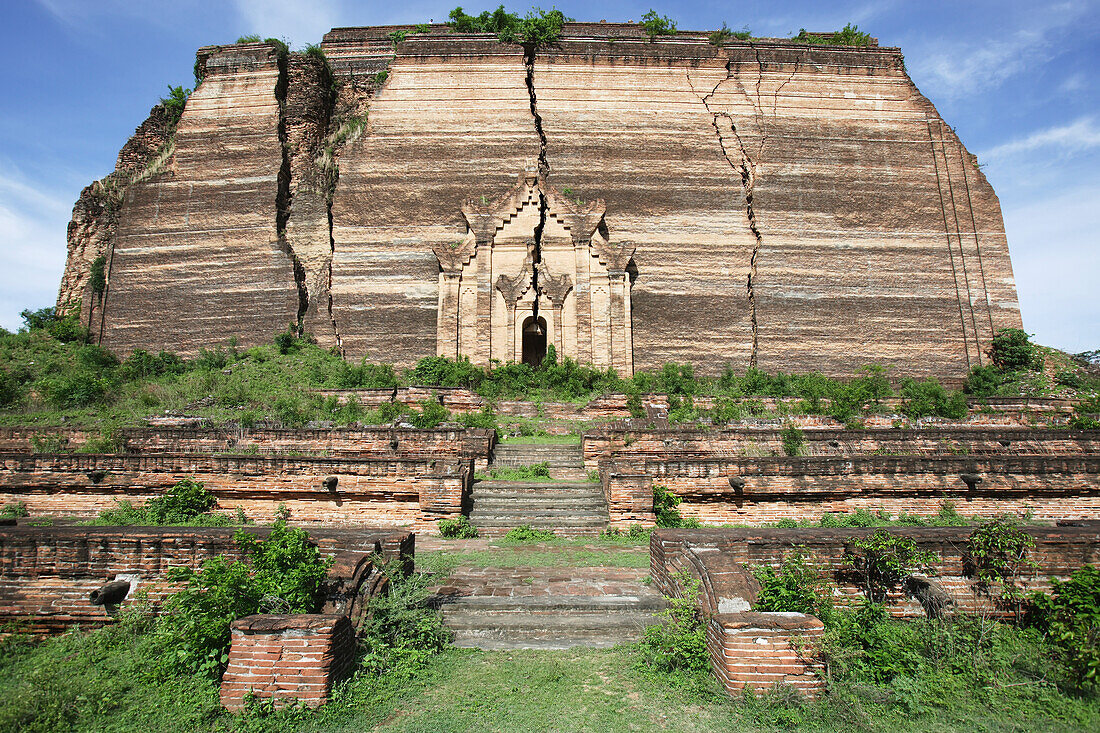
743	164
283	196
543	173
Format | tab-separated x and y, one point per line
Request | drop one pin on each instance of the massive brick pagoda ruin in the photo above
629	201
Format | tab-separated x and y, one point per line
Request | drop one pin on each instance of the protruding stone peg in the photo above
737	484
96	476
330	483
110	594
971	479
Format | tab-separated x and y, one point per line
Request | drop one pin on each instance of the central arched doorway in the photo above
534	341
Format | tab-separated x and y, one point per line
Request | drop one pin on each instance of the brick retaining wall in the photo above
413	492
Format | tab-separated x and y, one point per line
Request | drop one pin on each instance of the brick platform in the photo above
298	657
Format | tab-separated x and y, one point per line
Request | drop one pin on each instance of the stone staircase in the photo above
565	504
567	509
547	608
566	461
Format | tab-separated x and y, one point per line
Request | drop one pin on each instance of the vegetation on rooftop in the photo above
537	28
849	35
50	374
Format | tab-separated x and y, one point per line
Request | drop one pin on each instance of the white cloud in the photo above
1056	259
955	67
32	246
1081	134
298	22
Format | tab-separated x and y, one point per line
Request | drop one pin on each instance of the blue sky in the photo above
1016	78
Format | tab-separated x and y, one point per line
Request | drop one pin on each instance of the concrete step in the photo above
517	611
564	461
567	509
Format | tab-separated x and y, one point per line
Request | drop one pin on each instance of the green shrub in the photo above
677	646
1070	618
431	414
14	510
251	38
1011	350
724	35
664	509
400	631
527	533
881	560
655	25
983	381
537	28
797	586
922	399
458	528
97	276
849	35
281	573
793	440
81	388
183	502
174	105
64	328
997	552
533	472
188	502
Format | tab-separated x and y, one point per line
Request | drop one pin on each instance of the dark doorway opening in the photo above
534	341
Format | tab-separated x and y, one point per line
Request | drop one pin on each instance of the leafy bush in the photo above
797	586
534	472
76	389
97	276
64	328
282	572
793	440
881	560
184	501
1011	350
173	105
997	552
537	28
655	25
983	381
724	35
14	510
1070	618
678	645
401	631
188	502
527	533
458	528
922	399
849	35
664	509
431	414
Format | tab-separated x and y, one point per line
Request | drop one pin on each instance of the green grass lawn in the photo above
106	681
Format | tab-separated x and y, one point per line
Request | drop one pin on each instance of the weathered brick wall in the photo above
297	657
379	442
766	440
719	557
805	488
47	573
760	649
390	491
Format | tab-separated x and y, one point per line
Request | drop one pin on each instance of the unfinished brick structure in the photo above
47	573
760	649
631	201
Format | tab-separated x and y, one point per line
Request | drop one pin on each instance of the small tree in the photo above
882	560
655	25
997	552
1012	350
